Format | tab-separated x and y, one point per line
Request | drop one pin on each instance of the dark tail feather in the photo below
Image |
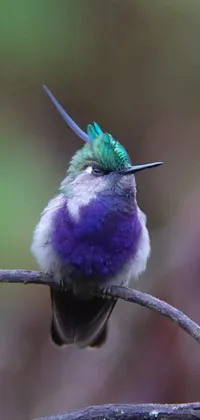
98	342
54	335
80	322
101	339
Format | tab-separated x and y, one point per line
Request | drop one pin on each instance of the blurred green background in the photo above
134	67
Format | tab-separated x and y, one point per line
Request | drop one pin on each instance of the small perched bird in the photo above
92	232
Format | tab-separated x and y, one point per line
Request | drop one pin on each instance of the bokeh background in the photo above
134	67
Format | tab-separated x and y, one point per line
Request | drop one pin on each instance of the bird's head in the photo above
101	166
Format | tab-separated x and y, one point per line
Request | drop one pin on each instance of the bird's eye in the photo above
97	171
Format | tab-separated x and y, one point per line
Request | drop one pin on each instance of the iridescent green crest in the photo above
109	152
102	149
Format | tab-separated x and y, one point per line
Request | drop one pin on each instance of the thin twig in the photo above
190	411
120	292
157	305
27	277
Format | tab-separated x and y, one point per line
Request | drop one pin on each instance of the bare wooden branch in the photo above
157	305
120	292
190	411
27	277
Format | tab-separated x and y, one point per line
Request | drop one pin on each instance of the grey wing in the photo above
80	322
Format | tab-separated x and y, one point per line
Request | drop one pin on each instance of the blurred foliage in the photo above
133	66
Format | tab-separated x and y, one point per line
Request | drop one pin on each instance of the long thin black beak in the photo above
138	168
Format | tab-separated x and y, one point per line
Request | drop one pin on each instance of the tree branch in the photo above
188	411
120	292
27	277
157	305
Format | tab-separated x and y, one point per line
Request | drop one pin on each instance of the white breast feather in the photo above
140	260
41	246
84	191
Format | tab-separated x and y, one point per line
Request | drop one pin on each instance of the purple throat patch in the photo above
100	242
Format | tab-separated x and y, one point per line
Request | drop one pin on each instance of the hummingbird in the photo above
91	233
